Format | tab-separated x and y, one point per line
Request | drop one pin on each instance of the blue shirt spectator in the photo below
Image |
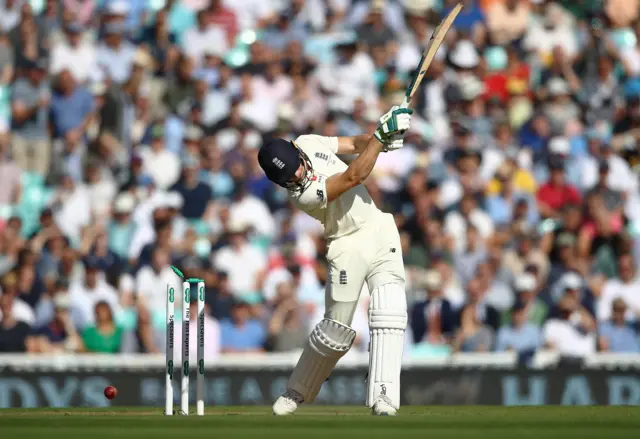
502	208
242	333
520	336
617	335
196	194
71	106
470	16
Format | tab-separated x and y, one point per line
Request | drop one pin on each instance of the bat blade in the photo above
430	52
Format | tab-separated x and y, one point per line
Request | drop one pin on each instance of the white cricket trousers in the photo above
373	255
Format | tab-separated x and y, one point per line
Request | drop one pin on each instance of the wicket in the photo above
186	318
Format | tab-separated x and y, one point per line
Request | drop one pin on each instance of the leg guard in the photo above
387	323
328	342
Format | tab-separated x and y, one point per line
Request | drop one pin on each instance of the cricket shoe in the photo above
287	403
382	407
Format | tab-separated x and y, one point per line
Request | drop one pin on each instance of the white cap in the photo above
432	280
62	301
98	88
471	87
525	282
571	281
560	145
237	225
465	55
174	200
125	203
117	7
558	87
286	111
252	140
418	7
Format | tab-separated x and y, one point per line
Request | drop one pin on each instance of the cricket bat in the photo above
432	47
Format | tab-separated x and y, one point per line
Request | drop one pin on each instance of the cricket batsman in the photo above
363	246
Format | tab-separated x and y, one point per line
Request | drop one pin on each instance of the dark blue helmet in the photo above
280	159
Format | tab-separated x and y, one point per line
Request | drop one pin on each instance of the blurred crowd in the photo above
129	131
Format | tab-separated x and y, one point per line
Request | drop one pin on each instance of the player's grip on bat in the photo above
395	121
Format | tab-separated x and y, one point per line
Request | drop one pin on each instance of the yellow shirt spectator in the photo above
523	182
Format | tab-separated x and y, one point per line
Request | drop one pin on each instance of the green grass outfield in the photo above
324	422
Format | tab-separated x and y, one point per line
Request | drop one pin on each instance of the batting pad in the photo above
387	322
328	342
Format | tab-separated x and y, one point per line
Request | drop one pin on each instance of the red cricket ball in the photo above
110	392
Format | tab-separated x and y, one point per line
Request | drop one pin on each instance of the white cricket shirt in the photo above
349	211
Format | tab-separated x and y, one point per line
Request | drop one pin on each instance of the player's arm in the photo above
357	171
393	123
353	144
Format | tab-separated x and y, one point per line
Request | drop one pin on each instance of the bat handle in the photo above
404	104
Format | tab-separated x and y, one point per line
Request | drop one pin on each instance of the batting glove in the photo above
395	142
395	122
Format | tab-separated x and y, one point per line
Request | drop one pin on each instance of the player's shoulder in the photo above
315	142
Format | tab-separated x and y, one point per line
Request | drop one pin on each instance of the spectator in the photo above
243	262
91	291
83	10
572	284
10	12
30	103
195	41
467	261
13	333
433	321
554	29
20	310
556	193
455	221
495	292
241	333
71	207
152	281
70	113
616	335
507	21
478	321
161	164
105	336
224	17
10	178
197	195
115	54
59	335
520	334
624	286
121	229
531	308
289	326
75	53
222	300
526	251
472	336
572	333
